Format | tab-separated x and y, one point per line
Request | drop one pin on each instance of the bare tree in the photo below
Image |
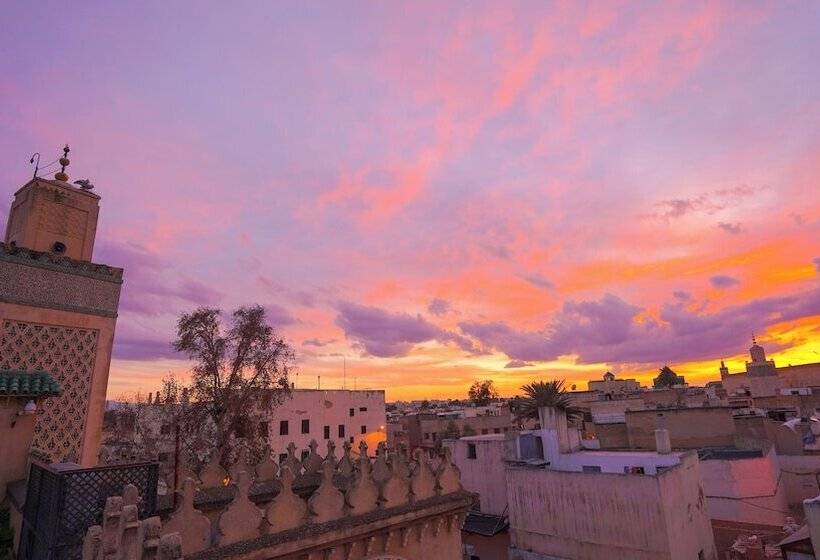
241	370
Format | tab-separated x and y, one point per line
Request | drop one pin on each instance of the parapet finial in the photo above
61	175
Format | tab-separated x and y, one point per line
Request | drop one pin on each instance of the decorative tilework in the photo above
68	354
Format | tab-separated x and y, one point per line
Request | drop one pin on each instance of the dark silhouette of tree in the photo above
241	371
544	393
425	404
467	431
451	431
482	393
667	378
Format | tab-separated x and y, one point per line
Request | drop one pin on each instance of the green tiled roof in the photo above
27	383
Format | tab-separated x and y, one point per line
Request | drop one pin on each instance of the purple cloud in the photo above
681	295
730	228
708	203
439	307
126	348
539	281
606	331
386	334
317	342
722	281
512	364
278	316
816	261
146	290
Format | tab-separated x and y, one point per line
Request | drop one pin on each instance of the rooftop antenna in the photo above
319	382
35	155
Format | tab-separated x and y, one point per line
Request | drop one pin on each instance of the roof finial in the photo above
64	161
754	340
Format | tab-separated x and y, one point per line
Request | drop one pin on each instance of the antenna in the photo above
319	382
35	155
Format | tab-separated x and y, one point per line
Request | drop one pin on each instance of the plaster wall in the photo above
588	516
747	490
329	408
16	433
485	474
689	428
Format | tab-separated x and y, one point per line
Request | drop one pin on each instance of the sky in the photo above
425	194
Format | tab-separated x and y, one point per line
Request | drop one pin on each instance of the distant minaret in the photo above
724	371
757	352
55	216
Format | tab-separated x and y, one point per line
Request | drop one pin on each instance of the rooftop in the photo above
21	383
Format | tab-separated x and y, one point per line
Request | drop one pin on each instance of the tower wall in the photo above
59	315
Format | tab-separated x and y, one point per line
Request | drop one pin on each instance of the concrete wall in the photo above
689	428
485	474
611	436
589	516
747	490
751	430
16	433
330	408
800	477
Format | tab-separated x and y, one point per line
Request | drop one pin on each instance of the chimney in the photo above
554	432
663	444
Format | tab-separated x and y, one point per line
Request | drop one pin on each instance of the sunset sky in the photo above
440	192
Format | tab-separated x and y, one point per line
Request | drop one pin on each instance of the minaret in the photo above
55	216
58	310
757	352
724	371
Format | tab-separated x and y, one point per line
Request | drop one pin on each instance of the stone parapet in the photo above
317	507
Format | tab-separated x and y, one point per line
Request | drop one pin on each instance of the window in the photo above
163	457
426	435
306	426
633	470
496	430
364	429
591	468
327	432
165	429
471	454
263	429
341	430
351	439
435	436
352	411
485	431
362	409
283	428
305	453
282	457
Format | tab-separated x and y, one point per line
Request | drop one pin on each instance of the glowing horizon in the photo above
439	193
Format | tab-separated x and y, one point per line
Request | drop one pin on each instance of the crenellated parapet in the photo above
350	507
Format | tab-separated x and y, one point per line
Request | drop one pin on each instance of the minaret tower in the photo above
58	311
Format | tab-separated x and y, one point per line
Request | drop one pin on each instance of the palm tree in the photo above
544	393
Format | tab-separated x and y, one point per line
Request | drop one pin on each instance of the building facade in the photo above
58	311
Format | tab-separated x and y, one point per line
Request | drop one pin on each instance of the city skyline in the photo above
441	194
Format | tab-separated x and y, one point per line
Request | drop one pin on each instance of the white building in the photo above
337	414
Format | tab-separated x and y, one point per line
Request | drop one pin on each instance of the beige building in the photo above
58	310
612	387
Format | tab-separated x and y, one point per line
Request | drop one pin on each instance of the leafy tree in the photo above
467	431
482	392
667	378
240	372
451	431
544	393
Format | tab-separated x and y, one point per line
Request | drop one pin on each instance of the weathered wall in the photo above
689	428
586	516
686	512
611	436
485	474
330	408
751	430
16	433
747	490
800	475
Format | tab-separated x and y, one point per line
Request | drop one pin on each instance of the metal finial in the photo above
35	155
754	340
64	161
